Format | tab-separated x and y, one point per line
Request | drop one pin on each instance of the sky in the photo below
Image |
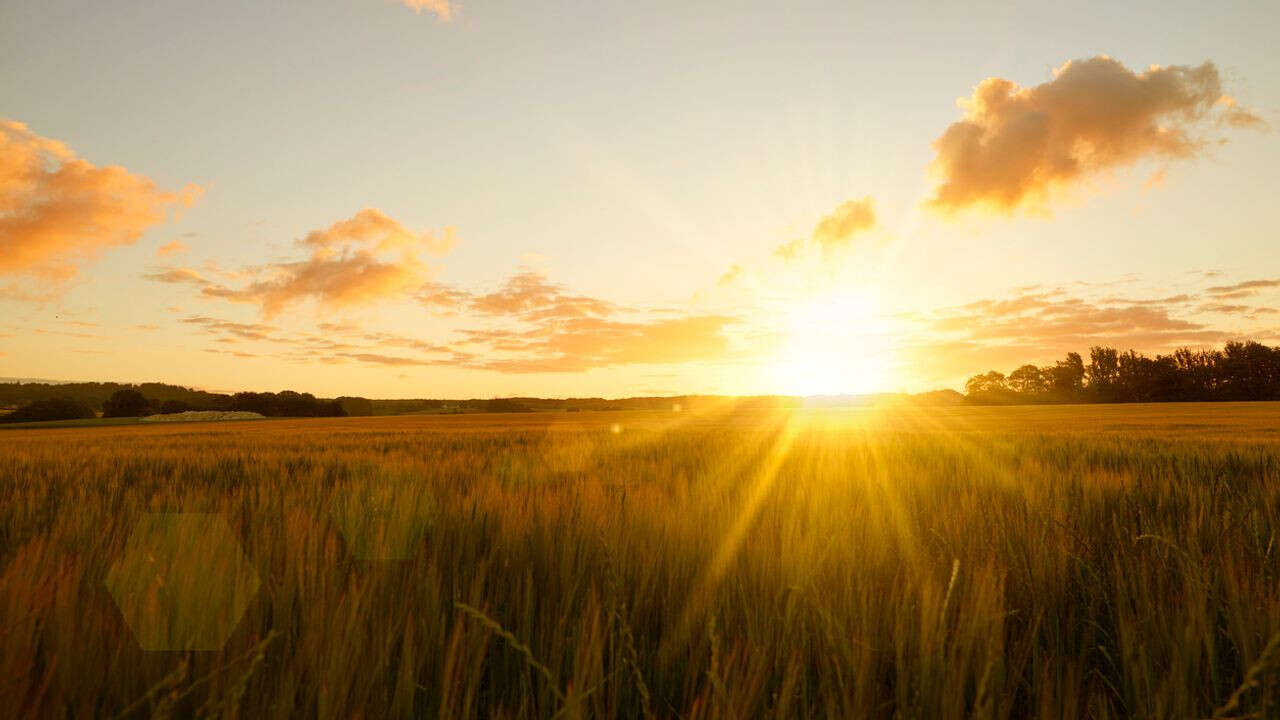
430	198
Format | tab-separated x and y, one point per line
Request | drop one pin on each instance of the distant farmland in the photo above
916	562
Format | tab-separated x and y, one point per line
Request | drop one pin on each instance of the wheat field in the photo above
1005	562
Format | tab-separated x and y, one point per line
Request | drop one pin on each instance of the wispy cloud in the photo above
440	8
528	324
1041	325
358	261
1247	288
1017	145
171	248
585	343
838	228
835	230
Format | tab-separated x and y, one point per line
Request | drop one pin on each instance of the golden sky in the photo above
443	199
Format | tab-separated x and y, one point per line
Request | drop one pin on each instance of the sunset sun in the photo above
834	344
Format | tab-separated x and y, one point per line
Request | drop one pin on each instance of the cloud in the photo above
790	250
1017	145
171	248
838	228
529	295
358	261
441	8
234	331
834	231
731	276
586	343
378	359
543	328
1170	300
58	210
528	324
1041	326
526	295
1242	289
1229	309
178	276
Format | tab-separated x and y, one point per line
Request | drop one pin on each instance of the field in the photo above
1056	561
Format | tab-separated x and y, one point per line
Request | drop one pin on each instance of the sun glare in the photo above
834	344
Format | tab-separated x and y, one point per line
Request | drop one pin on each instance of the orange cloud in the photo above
731	276
586	343
838	228
545	329
1017	145
835	230
58	210
1048	323
171	248
531	325
531	296
1247	288
527	295
441	8
1041	325
790	250
358	261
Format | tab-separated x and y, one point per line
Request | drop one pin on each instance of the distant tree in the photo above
356	406
1104	366
169	407
505	405
1197	373
1249	371
286	403
988	382
126	403
1029	380
1240	371
1067	377
51	409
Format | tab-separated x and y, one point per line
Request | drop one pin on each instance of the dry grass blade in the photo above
496	628
1251	678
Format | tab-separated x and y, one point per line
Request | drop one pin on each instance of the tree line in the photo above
1239	371
129	402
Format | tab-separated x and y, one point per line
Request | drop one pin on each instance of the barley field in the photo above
1093	561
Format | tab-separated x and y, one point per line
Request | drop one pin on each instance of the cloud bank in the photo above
528	324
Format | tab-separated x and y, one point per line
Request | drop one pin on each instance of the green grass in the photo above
1064	562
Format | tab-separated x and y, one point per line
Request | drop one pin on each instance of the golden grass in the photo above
1064	562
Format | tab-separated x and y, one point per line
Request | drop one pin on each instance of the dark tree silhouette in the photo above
126	403
51	409
1067	377
168	407
1028	379
1103	370
1240	371
287	403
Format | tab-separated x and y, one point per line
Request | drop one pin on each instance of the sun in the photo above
834	344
